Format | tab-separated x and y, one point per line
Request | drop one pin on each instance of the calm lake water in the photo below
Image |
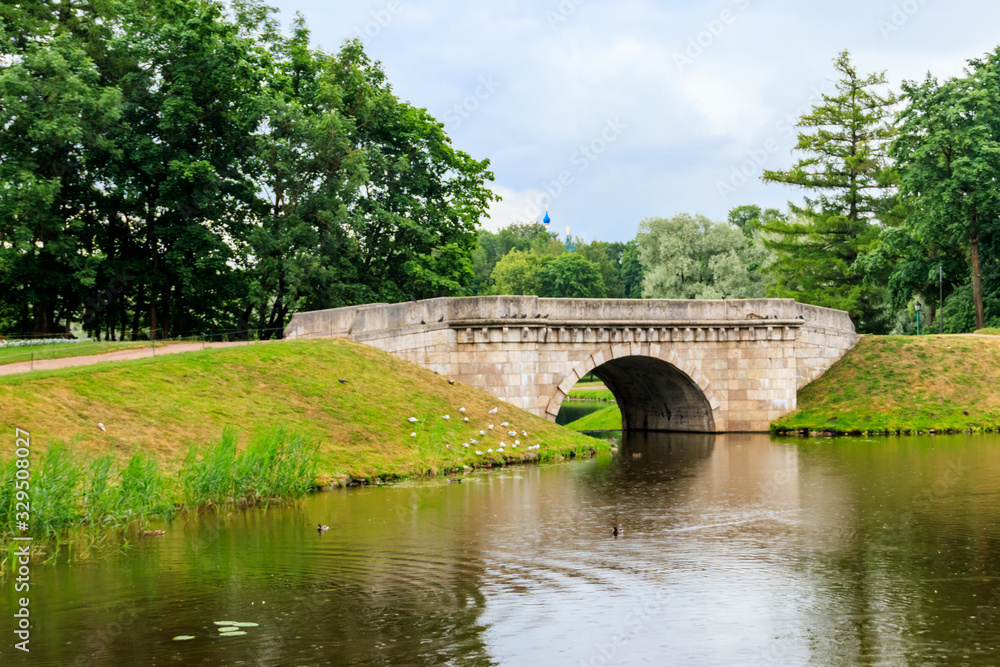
738	550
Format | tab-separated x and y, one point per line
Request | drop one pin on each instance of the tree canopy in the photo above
692	257
217	171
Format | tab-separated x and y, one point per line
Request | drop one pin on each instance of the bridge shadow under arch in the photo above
653	392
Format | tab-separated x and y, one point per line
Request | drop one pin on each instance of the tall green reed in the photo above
103	495
275	464
55	505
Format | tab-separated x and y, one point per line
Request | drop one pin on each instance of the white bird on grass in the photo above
517	442
511	432
491	427
493	411
412	419
466	420
479	452
473	441
461	409
465	444
413	435
446	417
101	426
524	433
489	451
504	424
481	432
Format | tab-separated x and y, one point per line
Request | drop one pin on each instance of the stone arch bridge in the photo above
673	365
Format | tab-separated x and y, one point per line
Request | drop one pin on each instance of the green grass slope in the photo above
162	406
605	419
905	383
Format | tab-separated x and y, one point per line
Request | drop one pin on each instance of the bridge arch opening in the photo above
653	394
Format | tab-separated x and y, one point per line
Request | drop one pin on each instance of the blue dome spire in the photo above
546	219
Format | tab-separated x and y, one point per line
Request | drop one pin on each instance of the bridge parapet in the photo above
747	357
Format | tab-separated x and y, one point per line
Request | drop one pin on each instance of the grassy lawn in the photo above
608	419
162	406
905	383
12	355
596	394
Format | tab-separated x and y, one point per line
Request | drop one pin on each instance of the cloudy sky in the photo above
609	112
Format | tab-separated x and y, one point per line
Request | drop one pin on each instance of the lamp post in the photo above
917	307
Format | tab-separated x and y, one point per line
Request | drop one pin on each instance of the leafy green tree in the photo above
909	267
56	115
526	237
421	195
691	257
517	272
846	162
949	157
571	276
214	172
606	257
299	251
750	218
632	272
191	83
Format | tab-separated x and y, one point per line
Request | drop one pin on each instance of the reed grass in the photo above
276	464
90	501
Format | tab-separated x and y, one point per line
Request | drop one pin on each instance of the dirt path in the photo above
121	355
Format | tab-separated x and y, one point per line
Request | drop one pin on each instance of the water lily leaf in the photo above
228	628
181	638
224	622
245	624
232	634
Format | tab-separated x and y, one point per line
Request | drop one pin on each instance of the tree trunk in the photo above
977	282
122	317
135	315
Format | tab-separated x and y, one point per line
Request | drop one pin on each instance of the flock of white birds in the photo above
500	449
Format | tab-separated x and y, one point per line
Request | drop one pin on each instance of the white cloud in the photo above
516	206
689	127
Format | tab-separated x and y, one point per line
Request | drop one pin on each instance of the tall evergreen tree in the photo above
845	146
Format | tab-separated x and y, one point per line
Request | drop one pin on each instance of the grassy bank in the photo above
160	407
606	419
112	445
905	384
